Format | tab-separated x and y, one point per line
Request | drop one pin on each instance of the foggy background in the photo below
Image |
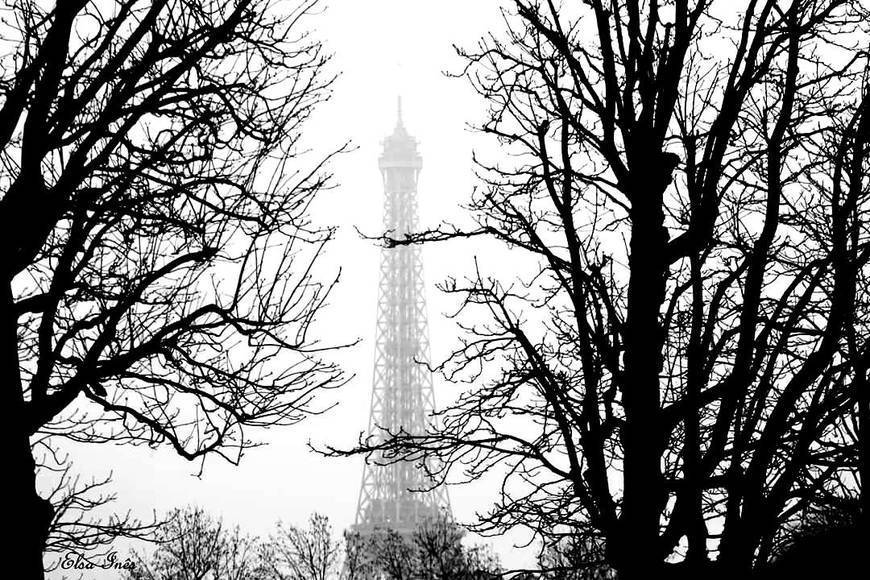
382	48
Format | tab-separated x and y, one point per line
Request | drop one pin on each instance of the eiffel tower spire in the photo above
402	396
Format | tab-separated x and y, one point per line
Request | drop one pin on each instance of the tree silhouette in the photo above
310	553
440	554
677	356
433	551
825	540
155	279
194	545
575	558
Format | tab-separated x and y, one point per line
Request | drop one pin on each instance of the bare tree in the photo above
434	551
575	557
824	541
440	554
311	553
391	555
194	545
681	362
357	563
156	266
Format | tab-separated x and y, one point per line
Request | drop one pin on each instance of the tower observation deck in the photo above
402	396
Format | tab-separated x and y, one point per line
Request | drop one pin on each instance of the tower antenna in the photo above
400	121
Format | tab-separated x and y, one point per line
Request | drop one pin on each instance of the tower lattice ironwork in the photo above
402	395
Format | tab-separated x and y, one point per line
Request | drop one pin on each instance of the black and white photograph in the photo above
435	290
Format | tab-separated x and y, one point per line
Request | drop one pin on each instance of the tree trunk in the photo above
28	529
863	395
639	554
737	546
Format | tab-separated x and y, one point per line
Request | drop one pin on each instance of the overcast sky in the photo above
382	48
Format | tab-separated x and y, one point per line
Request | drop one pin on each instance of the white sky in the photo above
382	48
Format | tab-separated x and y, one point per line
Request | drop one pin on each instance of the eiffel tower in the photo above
402	396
